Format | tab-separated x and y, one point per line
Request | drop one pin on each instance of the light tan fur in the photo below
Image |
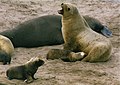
79	37
6	45
76	56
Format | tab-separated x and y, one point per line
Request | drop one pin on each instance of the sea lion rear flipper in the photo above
106	32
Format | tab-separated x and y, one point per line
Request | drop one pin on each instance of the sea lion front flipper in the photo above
72	57
29	79
34	78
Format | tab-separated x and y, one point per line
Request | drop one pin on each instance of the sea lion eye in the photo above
68	9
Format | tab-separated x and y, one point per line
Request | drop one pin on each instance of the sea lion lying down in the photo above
46	30
25	72
79	37
6	50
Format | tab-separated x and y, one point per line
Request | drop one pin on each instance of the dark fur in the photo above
5	58
58	54
45	30
24	71
62	54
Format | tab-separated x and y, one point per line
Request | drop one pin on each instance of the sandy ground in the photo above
57	72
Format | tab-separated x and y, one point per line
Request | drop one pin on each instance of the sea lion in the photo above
57	53
25	72
6	50
97	26
44	30
65	55
79	37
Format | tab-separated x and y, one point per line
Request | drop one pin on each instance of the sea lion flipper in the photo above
106	32
65	59
34	77
29	79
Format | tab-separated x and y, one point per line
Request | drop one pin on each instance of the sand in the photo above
57	72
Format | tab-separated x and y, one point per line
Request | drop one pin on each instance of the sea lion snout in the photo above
62	10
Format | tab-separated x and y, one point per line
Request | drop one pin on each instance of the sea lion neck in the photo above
72	21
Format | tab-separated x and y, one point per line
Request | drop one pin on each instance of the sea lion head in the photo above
39	62
36	61
68	10
4	57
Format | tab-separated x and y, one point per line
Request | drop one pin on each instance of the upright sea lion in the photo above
45	30
79	37
25	72
6	50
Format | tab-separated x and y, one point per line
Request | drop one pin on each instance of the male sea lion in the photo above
79	37
45	30
6	50
65	55
25	72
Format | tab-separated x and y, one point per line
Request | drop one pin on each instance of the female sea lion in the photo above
45	30
6	50
79	37
25	72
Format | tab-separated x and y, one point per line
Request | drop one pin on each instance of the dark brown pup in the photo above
25	72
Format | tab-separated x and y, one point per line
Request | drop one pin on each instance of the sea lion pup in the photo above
79	37
25	72
65	55
57	53
6	50
45	30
